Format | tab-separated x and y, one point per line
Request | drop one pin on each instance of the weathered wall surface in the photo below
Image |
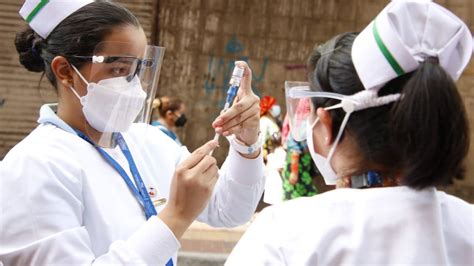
203	38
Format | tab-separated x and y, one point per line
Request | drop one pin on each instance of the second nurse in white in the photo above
387	123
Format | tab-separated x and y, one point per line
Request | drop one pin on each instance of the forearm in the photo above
237	192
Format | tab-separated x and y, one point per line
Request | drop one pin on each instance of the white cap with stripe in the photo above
404	34
44	15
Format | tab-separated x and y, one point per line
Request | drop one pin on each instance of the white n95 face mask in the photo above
322	163
113	104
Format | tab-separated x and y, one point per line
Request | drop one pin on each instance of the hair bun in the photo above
156	103
26	43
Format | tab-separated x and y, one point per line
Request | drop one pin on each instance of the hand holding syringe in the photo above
240	119
191	188
234	85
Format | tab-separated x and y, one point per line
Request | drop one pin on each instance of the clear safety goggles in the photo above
113	66
120	59
301	107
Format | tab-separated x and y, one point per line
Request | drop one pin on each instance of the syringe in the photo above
234	85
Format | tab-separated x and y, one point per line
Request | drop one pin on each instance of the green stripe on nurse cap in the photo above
37	9
44	15
391	60
403	35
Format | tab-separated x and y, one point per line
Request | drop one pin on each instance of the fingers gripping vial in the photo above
234	85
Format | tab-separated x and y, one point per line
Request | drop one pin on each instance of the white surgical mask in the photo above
322	163
275	110
113	104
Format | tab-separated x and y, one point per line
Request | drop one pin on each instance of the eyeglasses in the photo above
117	66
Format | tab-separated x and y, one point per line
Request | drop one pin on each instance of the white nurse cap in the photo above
404	34
44	15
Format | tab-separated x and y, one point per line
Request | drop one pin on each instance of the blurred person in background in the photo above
300	175
273	152
270	112
170	113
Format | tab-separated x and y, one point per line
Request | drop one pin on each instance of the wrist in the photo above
249	137
251	151
251	156
175	223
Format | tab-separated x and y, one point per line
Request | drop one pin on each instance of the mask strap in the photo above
348	106
339	105
341	129
83	79
75	93
80	75
359	101
314	123
339	134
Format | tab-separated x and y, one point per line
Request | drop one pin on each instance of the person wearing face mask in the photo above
385	116
171	115
273	153
269	114
94	183
300	175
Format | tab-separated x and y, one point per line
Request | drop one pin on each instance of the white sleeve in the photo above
260	243
237	192
41	219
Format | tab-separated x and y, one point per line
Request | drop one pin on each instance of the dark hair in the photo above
165	104
78	34
424	136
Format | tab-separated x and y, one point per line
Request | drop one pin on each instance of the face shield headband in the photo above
302	112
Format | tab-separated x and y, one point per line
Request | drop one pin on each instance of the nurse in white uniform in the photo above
385	116
90	186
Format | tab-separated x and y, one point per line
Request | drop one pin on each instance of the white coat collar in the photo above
48	116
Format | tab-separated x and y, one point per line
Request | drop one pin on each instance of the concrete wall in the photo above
204	37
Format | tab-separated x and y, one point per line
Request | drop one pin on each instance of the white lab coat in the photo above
377	226
268	127
273	181
61	203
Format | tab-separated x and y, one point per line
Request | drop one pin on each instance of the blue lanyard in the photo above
141	193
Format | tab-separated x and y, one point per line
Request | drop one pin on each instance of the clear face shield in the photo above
302	109
302	104
121	83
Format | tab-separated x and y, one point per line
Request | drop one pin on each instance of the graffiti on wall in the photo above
219	69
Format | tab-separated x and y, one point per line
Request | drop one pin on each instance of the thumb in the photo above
199	154
246	82
207	147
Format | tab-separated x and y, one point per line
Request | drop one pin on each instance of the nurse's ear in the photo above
326	121
62	71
